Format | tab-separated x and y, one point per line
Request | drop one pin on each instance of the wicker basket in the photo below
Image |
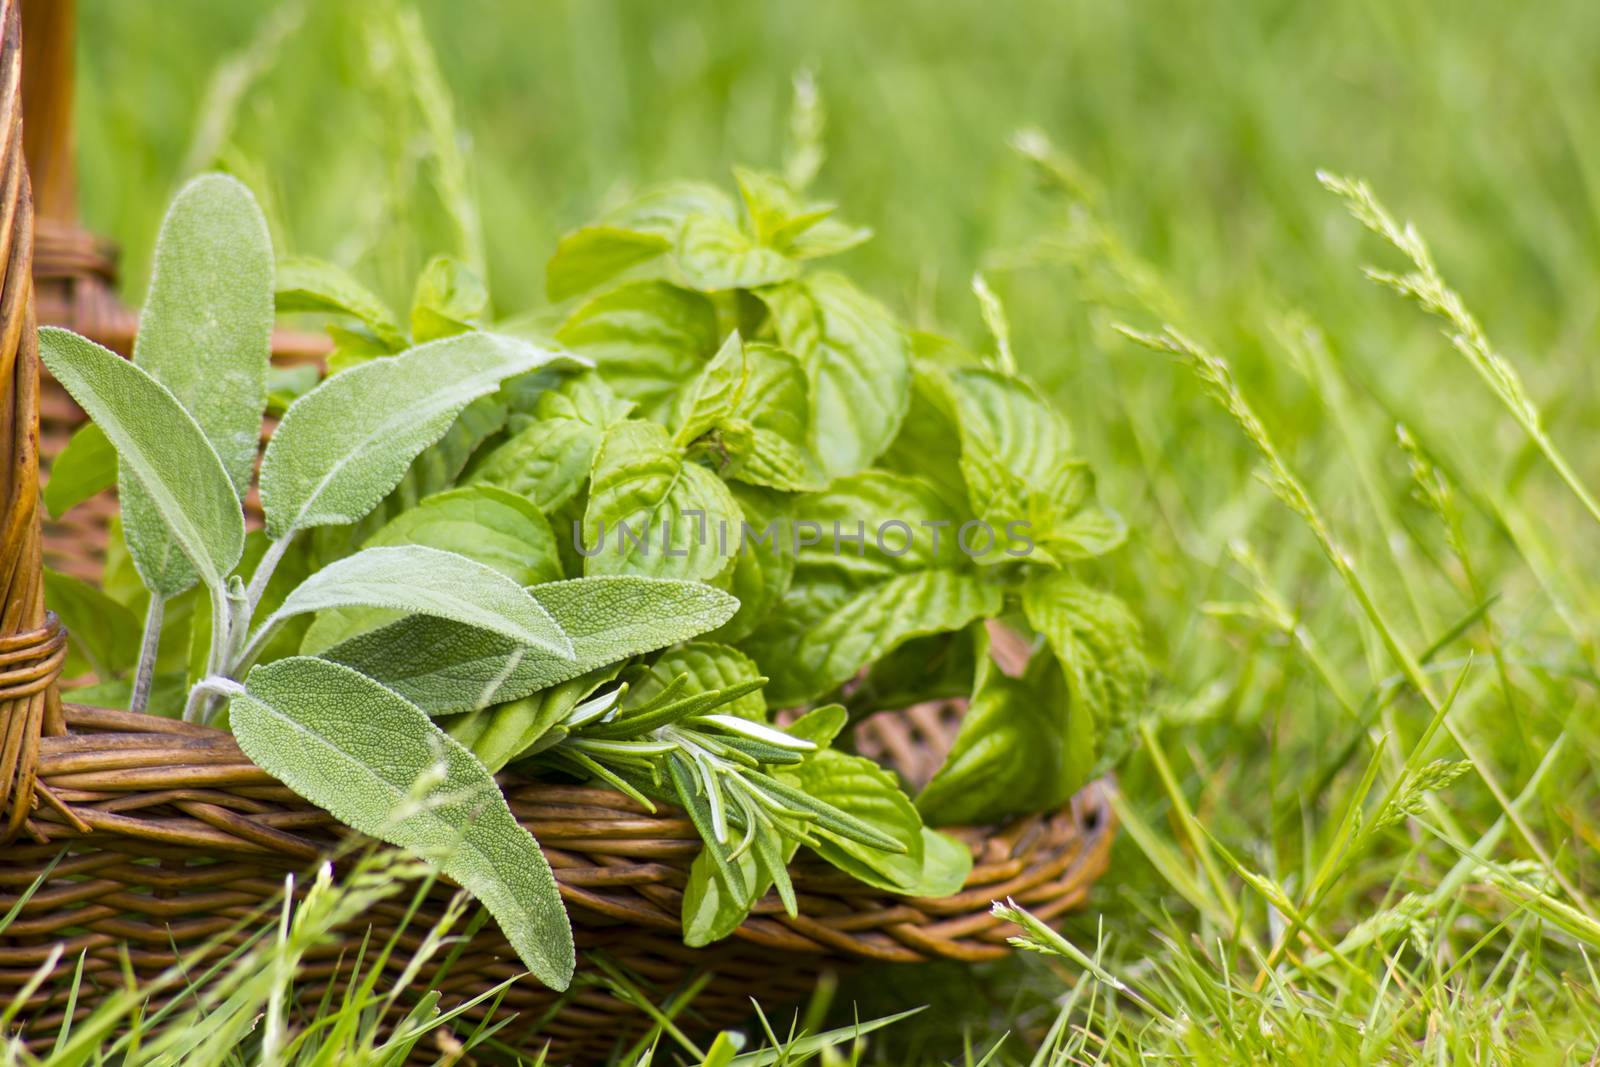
164	835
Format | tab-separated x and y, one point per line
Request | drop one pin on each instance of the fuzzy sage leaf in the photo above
445	667
204	333
160	444
343	446
427	581
378	765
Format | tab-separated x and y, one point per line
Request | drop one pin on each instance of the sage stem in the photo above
145	672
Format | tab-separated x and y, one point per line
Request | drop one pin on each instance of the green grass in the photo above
1360	825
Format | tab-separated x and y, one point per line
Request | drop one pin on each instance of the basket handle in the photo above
32	643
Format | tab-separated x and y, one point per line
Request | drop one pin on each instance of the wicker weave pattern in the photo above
31	647
173	835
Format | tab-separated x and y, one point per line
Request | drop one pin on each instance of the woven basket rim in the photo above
116	774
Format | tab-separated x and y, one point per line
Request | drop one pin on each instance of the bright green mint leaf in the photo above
776	405
314	285
161	445
783	222
764	564
1077	527
343	446
826	237
929	442
594	255
707	666
856	361
651	511
418	580
850	603
661	210
1101	651
1014	446
936	667
104	631
1016	457
711	911
444	667
85	468
714	254
378	765
483	523
716	394
480	522
946	863
449	298
549	461
859	787
1019	749
820	725
647	339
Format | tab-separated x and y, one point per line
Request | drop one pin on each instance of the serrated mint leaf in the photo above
444	667
826	237
594	255
449	298
378	765
104	631
851	602
482	523
427	581
159	443
857	364
764	565
858	787
313	285
715	395
1016	458
1077	527
661	210
485	524
647	340
651	511
343	446
707	666
1097	641
85	468
1020	748
713	255
549	461
946	863
776	405
929	442
711	911
783	222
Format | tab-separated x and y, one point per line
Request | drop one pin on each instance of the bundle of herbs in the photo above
726	484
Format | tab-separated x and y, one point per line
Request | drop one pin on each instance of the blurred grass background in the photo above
1200	126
